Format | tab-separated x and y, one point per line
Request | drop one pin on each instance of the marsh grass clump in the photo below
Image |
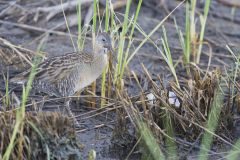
203	116
197	97
47	135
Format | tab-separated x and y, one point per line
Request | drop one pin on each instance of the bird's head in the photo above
103	42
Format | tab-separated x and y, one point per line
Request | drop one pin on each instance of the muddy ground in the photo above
96	131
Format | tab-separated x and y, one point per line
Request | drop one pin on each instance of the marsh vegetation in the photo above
171	89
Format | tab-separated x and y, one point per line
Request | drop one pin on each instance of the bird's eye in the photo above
103	39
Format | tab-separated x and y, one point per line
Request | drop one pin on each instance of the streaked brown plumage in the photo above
66	74
14	56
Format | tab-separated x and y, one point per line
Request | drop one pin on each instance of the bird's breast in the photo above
90	72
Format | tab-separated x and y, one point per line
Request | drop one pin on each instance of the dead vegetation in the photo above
186	107
33	14
45	134
196	95
16	57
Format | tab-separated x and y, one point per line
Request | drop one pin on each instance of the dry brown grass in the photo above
18	57
43	133
196	95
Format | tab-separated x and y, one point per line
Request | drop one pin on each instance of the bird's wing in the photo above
57	68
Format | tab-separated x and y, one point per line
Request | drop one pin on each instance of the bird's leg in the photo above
43	102
70	113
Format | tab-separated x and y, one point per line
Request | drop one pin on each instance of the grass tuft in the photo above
20	112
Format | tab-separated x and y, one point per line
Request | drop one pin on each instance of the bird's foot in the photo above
70	113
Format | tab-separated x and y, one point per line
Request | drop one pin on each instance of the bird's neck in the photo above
99	51
100	57
98	48
100	62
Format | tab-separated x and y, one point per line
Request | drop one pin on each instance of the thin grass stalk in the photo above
95	16
80	40
93	87
171	145
103	85
41	136
112	17
192	19
110	70
20	112
110	77
234	154
122	35
10	147
236	72
69	32
6	100
93	100
211	125
28	147
21	140
121	45
180	36
187	49
192	31
150	141
79	17
186	57
167	56
203	21
130	38
107	16
147	37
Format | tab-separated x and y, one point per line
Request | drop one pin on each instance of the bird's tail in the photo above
20	78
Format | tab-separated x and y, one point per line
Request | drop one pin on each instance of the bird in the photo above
64	75
16	57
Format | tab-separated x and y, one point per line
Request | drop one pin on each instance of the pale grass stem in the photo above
93	86
103	85
6	99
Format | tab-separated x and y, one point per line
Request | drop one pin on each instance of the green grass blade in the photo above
203	25
130	37
94	16
122	42
167	56
211	125
234	154
152	32
103	84
20	113
107	16
150	141
171	145
79	19
187	49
